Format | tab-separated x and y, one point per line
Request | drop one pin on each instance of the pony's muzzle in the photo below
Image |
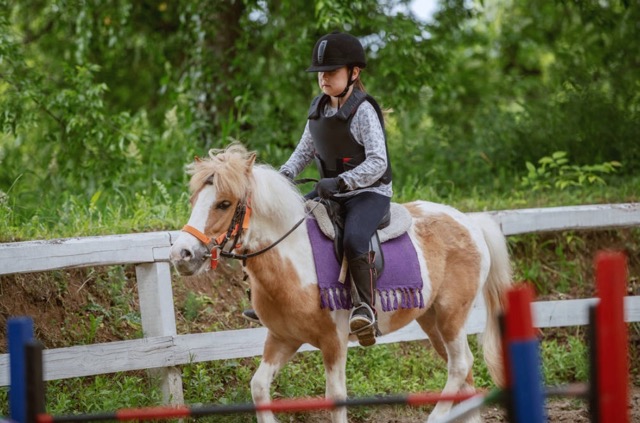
189	260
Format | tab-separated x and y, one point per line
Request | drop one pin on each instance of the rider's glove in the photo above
327	187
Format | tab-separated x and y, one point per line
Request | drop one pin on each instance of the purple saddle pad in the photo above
399	285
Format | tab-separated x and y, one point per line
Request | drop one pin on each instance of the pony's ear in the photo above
197	159
250	161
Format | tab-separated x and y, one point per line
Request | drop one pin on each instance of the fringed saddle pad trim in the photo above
390	299
335	299
393	299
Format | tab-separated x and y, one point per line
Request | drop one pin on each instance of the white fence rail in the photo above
163	349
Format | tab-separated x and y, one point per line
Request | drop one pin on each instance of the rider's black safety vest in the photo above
335	148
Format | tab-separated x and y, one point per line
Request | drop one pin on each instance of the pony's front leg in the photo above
334	357
276	354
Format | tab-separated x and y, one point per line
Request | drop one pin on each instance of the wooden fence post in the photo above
158	319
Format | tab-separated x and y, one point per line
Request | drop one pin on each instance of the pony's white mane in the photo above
275	196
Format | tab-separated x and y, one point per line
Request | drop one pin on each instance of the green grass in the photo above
109	213
159	208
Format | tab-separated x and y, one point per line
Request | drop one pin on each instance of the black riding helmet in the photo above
336	50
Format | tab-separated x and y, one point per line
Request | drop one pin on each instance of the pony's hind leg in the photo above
427	322
459	375
276	354
452	335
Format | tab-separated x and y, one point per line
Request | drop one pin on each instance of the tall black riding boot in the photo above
363	318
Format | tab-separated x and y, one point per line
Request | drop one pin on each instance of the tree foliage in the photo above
113	96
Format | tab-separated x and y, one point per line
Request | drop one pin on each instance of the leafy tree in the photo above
525	79
111	97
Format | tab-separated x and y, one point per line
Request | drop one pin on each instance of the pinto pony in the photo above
243	210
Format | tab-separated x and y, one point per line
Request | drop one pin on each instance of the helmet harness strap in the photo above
350	82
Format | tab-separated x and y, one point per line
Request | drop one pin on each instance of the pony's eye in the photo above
223	205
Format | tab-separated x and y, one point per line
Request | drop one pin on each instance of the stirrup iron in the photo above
371	315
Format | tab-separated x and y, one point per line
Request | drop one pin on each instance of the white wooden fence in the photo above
163	349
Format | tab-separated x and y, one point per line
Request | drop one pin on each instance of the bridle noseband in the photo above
239	224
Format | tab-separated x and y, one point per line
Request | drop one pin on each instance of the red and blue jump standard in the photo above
527	391
611	337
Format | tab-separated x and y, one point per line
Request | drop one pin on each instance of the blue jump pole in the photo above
19	332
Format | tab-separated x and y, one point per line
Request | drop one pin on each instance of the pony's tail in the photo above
498	281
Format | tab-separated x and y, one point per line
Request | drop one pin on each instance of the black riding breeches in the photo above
363	213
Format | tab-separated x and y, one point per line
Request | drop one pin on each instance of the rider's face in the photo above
334	82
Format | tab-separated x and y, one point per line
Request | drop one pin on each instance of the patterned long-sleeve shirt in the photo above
366	131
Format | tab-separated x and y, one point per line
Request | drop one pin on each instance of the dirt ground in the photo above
567	410
557	410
